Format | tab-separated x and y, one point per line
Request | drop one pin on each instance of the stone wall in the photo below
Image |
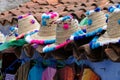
10	4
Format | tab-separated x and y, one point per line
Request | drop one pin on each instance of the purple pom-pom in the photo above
97	9
20	17
32	21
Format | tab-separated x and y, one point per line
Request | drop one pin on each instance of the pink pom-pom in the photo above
66	26
52	16
37	42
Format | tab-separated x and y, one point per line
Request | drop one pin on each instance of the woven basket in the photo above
113	28
98	20
62	34
25	25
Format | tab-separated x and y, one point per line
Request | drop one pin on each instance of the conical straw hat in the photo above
47	30
113	24
96	19
2	37
66	26
27	23
113	28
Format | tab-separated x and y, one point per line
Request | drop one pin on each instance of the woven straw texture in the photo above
25	26
8	38
46	33
98	20
2	38
62	34
113	28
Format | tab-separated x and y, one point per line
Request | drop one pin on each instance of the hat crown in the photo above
48	18
47	30
66	27
113	28
96	19
27	23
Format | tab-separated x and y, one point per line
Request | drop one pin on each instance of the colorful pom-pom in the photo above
66	26
44	23
87	13
66	17
89	21
20	17
107	15
32	21
12	28
97	9
119	21
111	9
118	6
16	34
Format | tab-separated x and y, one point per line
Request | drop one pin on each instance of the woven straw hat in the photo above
13	33
66	26
47	31
96	19
113	30
27	23
2	37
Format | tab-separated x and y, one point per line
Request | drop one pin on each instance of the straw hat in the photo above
113	24
27	23
47	31
2	37
96	19
66	26
13	33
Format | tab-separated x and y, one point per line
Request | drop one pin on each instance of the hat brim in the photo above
55	46
36	36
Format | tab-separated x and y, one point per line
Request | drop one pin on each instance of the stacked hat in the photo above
13	33
47	31
66	26
113	27
96	19
27	23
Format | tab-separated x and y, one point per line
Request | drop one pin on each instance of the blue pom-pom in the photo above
16	34
107	15
119	21
118	6
97	9
47	17
44	23
111	9
50	41
87	13
12	28
43	17
89	22
66	17
106	20
49	49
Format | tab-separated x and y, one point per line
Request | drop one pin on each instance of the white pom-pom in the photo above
71	37
28	39
117	10
92	11
45	48
105	27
